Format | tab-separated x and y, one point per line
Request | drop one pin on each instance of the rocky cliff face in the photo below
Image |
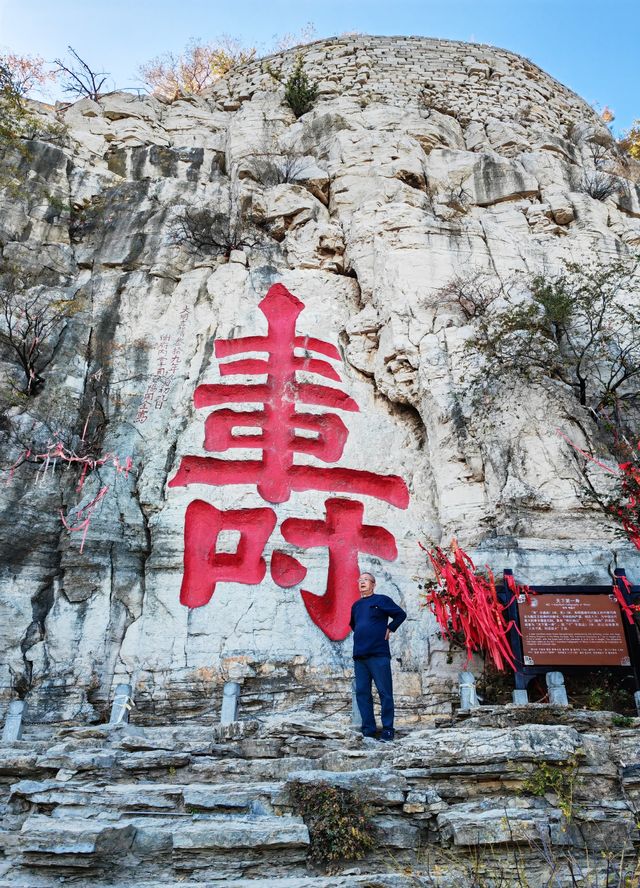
419	160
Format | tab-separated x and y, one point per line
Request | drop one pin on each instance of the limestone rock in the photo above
249	832
316	245
528	743
463	785
412	167
397	833
372	785
47	841
286	206
313	177
482	179
628	199
485	824
560	206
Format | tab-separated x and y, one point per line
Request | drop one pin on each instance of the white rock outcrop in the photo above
421	159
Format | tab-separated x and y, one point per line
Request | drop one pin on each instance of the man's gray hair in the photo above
367	574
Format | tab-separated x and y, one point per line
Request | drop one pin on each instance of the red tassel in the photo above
627	609
465	601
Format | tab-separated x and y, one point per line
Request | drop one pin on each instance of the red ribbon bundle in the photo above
629	512
628	509
464	601
627	609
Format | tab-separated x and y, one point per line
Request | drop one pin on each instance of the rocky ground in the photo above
502	791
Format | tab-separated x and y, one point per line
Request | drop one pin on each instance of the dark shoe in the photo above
386	737
369	735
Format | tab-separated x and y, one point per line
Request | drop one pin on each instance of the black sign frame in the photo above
524	674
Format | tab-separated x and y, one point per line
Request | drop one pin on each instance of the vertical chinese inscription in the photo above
167	361
281	426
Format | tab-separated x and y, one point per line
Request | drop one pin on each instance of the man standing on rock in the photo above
371	655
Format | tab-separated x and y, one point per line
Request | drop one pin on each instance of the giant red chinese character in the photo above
345	536
204	566
275	474
277	427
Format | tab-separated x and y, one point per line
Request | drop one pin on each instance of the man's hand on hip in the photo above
387	635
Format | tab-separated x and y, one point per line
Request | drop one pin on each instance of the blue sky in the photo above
592	47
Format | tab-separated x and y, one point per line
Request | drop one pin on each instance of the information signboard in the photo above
572	630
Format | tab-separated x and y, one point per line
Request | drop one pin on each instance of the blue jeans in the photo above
377	669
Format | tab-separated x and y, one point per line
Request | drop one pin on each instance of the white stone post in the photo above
636	697
121	706
556	689
230	702
520	696
467	689
12	730
356	718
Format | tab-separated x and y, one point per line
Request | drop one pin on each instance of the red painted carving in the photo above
286	570
275	474
345	536
277	428
207	470
204	567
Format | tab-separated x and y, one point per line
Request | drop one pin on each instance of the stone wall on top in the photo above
473	82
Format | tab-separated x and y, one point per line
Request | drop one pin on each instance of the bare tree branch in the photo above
78	79
32	322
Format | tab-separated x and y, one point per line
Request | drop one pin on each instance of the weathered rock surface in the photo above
421	158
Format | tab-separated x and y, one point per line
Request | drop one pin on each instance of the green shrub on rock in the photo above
338	824
299	92
558	779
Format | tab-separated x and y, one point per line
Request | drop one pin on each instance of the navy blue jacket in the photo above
370	621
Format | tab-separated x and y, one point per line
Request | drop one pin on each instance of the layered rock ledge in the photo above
206	806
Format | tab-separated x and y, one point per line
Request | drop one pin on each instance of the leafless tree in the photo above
206	232
78	79
32	319
474	292
601	152
599	185
55	425
456	196
273	167
272	163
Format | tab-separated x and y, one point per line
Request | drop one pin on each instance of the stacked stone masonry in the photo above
474	82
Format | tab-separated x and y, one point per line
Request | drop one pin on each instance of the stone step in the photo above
188	735
157	798
218	842
375	786
372	880
97	762
78	842
243	752
16	760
